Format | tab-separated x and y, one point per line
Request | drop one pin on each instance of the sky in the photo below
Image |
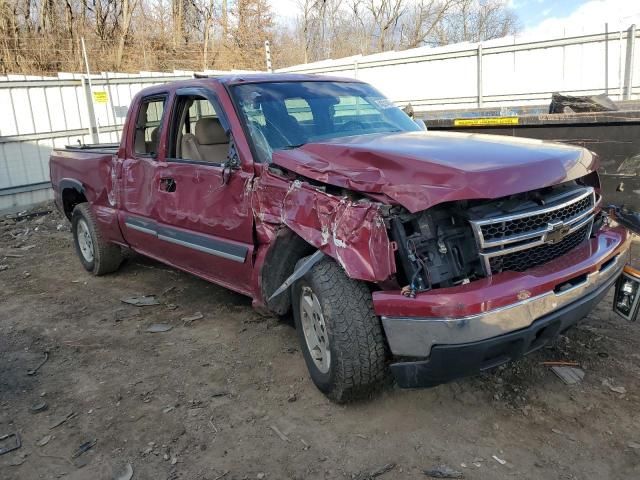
534	12
547	18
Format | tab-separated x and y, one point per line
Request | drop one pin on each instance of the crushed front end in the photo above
487	281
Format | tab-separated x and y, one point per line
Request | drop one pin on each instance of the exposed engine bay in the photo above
458	242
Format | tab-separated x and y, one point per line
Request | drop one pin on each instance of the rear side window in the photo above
148	126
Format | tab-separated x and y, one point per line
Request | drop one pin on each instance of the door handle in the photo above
167	185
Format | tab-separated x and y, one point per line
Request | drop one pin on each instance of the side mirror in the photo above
231	163
420	123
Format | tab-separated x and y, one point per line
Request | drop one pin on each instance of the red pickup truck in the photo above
430	255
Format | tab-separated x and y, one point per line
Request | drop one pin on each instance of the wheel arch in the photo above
284	252
72	193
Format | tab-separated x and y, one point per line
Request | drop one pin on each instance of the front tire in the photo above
341	337
96	255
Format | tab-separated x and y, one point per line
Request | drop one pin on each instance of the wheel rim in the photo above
315	329
85	242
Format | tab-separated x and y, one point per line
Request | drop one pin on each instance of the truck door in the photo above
140	174
203	198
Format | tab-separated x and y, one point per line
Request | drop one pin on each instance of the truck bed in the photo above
102	148
87	169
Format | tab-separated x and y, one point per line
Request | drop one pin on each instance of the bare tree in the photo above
477	20
423	20
129	35
178	7
253	24
128	6
206	10
386	17
307	24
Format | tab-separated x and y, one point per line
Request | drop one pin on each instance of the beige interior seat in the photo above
209	144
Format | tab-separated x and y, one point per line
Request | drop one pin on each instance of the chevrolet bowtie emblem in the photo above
556	231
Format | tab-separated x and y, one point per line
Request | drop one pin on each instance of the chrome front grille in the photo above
537	221
525	259
520	241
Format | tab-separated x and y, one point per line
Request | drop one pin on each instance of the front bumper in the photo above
548	300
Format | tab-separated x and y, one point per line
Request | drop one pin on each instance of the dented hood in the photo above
420	169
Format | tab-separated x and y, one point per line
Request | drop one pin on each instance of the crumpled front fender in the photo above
353	233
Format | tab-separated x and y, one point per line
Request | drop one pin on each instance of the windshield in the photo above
284	115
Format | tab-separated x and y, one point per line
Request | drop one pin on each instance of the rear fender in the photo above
69	193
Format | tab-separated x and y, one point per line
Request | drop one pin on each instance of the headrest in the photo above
155	133
209	131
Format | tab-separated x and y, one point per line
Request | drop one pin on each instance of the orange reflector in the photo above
632	271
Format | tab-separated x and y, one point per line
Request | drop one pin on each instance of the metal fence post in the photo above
267	53
606	58
628	67
479	60
91	114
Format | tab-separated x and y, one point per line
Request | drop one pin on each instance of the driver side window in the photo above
199	135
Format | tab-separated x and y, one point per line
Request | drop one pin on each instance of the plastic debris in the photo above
282	436
569	375
13	444
607	383
123	473
571	104
39	407
85	447
566	435
499	460
159	327
189	319
63	420
560	364
141	301
44	440
375	473
443	471
35	370
168	290
382	470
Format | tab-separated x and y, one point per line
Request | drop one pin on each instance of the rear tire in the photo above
96	255
341	337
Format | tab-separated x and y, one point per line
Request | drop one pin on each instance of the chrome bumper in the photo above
414	336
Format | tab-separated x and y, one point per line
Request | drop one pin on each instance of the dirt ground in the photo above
228	397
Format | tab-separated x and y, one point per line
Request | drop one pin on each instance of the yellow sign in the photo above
100	97
482	122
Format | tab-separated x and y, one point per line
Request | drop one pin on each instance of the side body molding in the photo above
212	246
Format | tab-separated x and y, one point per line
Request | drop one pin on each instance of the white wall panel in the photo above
513	73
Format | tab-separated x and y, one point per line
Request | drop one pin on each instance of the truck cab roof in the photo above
238	79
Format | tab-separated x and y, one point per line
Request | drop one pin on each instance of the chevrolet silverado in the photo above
430	255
